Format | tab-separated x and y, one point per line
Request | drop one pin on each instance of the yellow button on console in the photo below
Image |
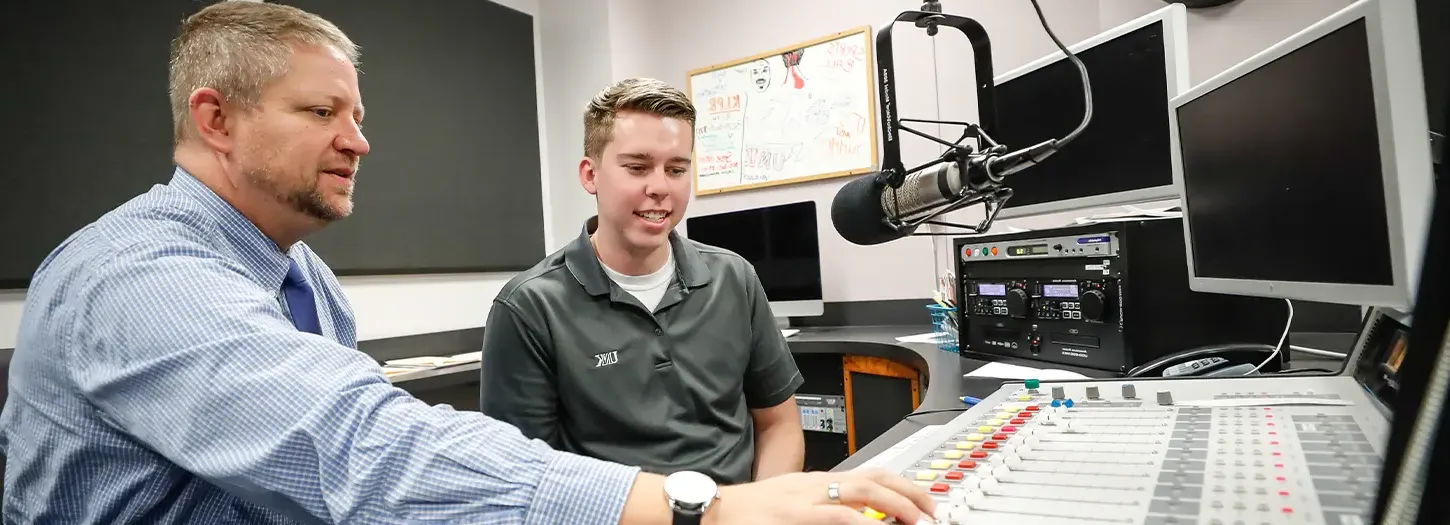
953	454
963	445
997	422
984	428
1024	397
926	475
941	464
1004	415
975	437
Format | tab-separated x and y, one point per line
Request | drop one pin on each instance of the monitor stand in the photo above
783	323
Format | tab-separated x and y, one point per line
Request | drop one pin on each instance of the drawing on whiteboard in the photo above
760	74
818	121
792	60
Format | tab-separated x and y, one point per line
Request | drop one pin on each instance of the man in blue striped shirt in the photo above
186	359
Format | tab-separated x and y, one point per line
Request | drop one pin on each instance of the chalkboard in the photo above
452	183
800	113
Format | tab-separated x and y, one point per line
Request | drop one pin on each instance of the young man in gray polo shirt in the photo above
634	344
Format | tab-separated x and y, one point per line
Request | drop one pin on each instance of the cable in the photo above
935	411
1318	352
1282	338
1087	89
1302	370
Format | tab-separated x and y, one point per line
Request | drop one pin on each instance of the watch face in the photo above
690	488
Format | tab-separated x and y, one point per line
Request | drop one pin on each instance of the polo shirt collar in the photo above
257	251
584	264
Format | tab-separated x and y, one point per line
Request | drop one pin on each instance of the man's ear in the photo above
212	119
587	175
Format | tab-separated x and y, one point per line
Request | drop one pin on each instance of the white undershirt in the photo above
649	288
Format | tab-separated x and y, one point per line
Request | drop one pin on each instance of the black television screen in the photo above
780	241
1125	145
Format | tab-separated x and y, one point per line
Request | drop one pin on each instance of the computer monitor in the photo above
781	242
1305	170
1122	156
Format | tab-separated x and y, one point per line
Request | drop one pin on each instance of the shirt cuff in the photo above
579	490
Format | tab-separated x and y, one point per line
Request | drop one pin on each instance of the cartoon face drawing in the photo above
760	74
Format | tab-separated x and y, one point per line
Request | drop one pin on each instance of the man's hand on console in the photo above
822	498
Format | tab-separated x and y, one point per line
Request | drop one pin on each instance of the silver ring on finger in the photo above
833	492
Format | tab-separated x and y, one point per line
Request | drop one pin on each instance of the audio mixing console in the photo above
1252	450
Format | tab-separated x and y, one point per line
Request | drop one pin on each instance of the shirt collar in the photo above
258	253
584	264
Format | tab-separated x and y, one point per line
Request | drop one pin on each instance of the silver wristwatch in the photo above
690	495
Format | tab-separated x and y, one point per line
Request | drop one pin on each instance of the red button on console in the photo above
1018	421
1024	414
1009	429
999	437
957	475
940	488
1033	408
989	445
967	464
977	454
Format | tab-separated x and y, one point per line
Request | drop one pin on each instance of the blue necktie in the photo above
299	300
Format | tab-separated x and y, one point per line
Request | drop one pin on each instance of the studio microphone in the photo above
895	201
869	211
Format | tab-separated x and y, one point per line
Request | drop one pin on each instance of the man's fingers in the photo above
862	490
901	485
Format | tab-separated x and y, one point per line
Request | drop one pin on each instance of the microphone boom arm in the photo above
891	121
982	172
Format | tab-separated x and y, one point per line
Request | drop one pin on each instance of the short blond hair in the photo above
634	94
238	47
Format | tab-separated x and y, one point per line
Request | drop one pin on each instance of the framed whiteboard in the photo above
801	113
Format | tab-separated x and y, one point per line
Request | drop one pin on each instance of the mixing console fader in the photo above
1262	450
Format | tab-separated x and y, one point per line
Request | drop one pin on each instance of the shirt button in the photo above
658	331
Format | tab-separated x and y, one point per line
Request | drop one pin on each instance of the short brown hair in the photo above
238	47
634	94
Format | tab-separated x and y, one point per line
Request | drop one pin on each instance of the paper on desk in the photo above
896	450
429	361
1006	371
931	338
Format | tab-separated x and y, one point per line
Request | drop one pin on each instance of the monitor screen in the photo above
1125	145
780	241
1282	175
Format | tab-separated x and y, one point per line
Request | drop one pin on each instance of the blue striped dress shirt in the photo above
158	379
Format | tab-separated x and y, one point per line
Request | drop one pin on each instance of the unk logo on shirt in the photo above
606	359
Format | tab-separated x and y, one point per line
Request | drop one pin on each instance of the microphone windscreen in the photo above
857	214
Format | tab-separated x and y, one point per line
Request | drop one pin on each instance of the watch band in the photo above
685	517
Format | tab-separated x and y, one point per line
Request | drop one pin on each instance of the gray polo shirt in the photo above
572	359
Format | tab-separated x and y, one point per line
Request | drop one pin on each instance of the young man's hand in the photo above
803	499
